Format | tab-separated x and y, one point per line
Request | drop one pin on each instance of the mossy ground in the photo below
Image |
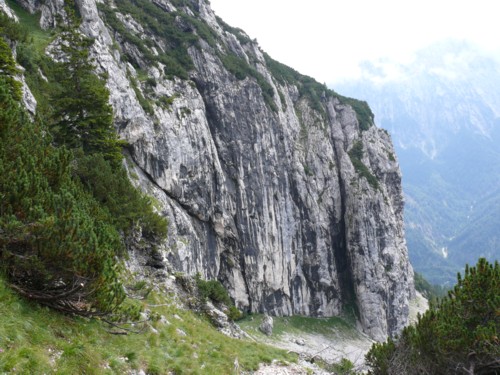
36	340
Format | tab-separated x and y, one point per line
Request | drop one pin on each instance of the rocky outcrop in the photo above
254	174
267	325
51	12
4	8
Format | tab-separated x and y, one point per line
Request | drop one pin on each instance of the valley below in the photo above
442	112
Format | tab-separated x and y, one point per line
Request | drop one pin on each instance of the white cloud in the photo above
328	38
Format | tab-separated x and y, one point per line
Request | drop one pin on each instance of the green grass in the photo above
333	326
34	339
31	22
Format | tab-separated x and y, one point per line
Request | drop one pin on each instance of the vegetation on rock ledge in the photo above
315	92
356	154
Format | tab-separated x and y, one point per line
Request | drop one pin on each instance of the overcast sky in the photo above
326	39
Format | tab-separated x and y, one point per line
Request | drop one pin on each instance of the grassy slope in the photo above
40	37
34	339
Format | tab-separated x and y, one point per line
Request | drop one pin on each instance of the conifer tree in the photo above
64	205
83	117
57	245
459	336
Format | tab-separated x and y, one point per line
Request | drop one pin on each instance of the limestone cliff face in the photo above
253	173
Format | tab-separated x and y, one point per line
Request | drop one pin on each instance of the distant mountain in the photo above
443	112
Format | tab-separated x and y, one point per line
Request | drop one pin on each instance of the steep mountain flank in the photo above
278	187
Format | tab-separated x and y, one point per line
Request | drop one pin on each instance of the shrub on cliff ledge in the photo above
356	154
215	291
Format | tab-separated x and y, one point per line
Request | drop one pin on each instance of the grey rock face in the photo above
262	196
49	11
29	100
4	8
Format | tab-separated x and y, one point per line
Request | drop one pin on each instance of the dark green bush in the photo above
343	367
459	336
57	245
64	204
9	70
357	150
11	29
380	356
113	190
213	290
233	313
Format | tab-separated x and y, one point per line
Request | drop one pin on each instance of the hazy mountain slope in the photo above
442	111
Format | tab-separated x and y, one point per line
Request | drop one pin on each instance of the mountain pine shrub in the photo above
57	245
65	204
459	336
